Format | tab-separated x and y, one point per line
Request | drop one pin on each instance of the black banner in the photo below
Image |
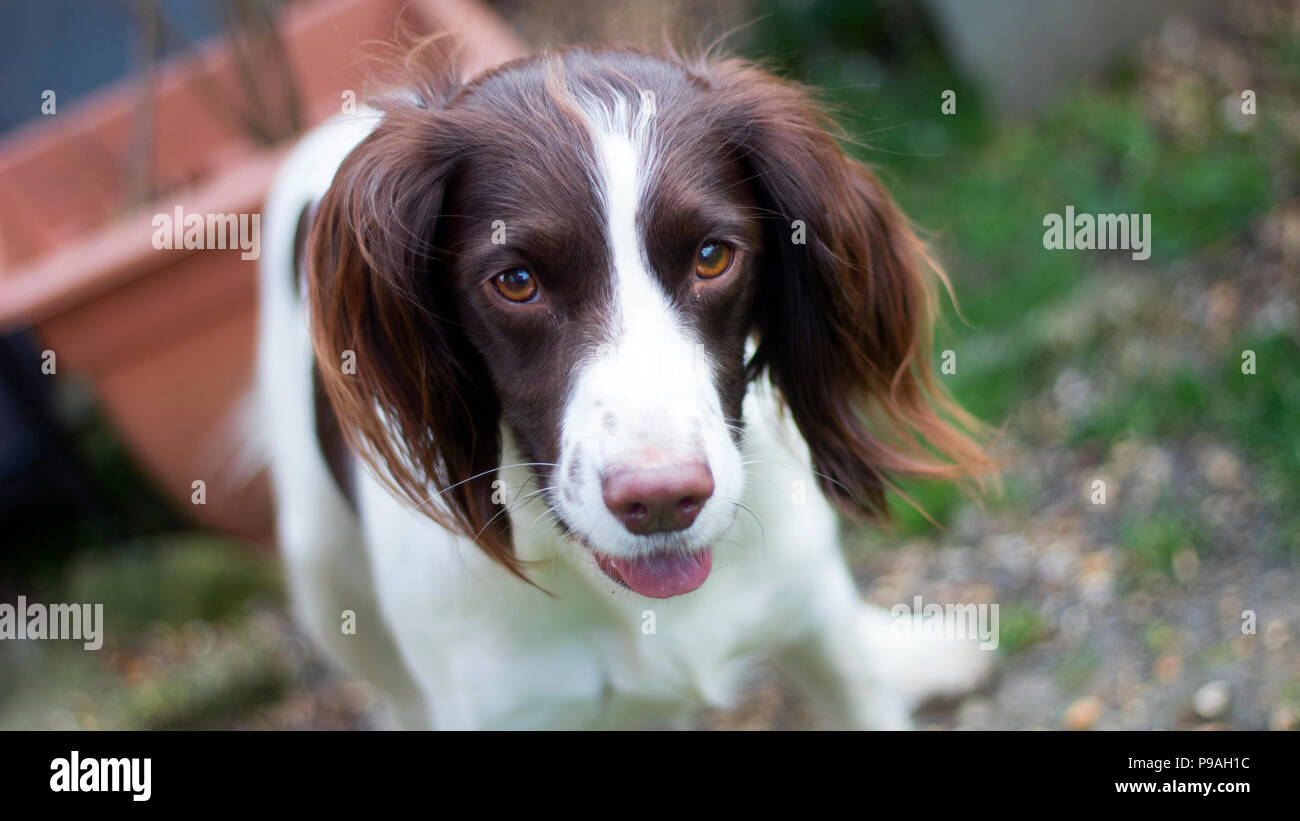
133	772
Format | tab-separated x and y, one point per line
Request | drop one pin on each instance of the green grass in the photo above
1019	628
1159	637
1075	669
1153	540
1093	152
204	578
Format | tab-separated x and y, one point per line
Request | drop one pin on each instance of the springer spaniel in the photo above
566	369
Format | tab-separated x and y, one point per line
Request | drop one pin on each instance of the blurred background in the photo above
1091	365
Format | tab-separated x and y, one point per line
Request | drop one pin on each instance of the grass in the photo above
1075	669
1159	637
1153	540
206	578
1019	628
1007	281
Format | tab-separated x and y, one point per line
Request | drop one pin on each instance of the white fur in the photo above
455	641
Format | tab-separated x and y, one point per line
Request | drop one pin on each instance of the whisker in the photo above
762	532
484	473
515	504
815	472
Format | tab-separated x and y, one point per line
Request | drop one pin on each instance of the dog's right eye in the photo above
516	285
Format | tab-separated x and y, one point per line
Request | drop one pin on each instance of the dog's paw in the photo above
921	663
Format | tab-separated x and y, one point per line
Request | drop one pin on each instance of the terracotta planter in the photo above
167	336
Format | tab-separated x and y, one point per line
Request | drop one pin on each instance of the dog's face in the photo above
603	257
580	246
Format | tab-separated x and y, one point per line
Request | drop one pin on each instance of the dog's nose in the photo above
654	499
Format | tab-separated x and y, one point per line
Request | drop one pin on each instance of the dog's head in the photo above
580	245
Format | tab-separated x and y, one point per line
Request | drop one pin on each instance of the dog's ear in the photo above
410	392
847	303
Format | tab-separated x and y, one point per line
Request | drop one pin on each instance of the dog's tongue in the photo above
663	574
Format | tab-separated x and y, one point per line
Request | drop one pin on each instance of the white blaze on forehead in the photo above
652	368
647	392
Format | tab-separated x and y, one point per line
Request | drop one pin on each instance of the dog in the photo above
565	373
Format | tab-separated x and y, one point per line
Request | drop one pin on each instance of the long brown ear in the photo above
847	310
417	405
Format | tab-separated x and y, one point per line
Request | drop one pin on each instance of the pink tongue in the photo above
664	574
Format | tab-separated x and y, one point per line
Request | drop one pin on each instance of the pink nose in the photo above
654	499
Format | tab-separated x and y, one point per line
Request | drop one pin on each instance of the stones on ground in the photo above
1083	714
1211	701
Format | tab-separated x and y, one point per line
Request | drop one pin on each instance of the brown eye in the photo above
713	259
516	285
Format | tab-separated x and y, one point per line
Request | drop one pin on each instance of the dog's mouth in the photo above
673	567
659	575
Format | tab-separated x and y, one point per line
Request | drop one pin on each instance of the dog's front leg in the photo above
865	671
838	666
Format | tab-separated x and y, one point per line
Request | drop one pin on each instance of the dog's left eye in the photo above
713	259
516	285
